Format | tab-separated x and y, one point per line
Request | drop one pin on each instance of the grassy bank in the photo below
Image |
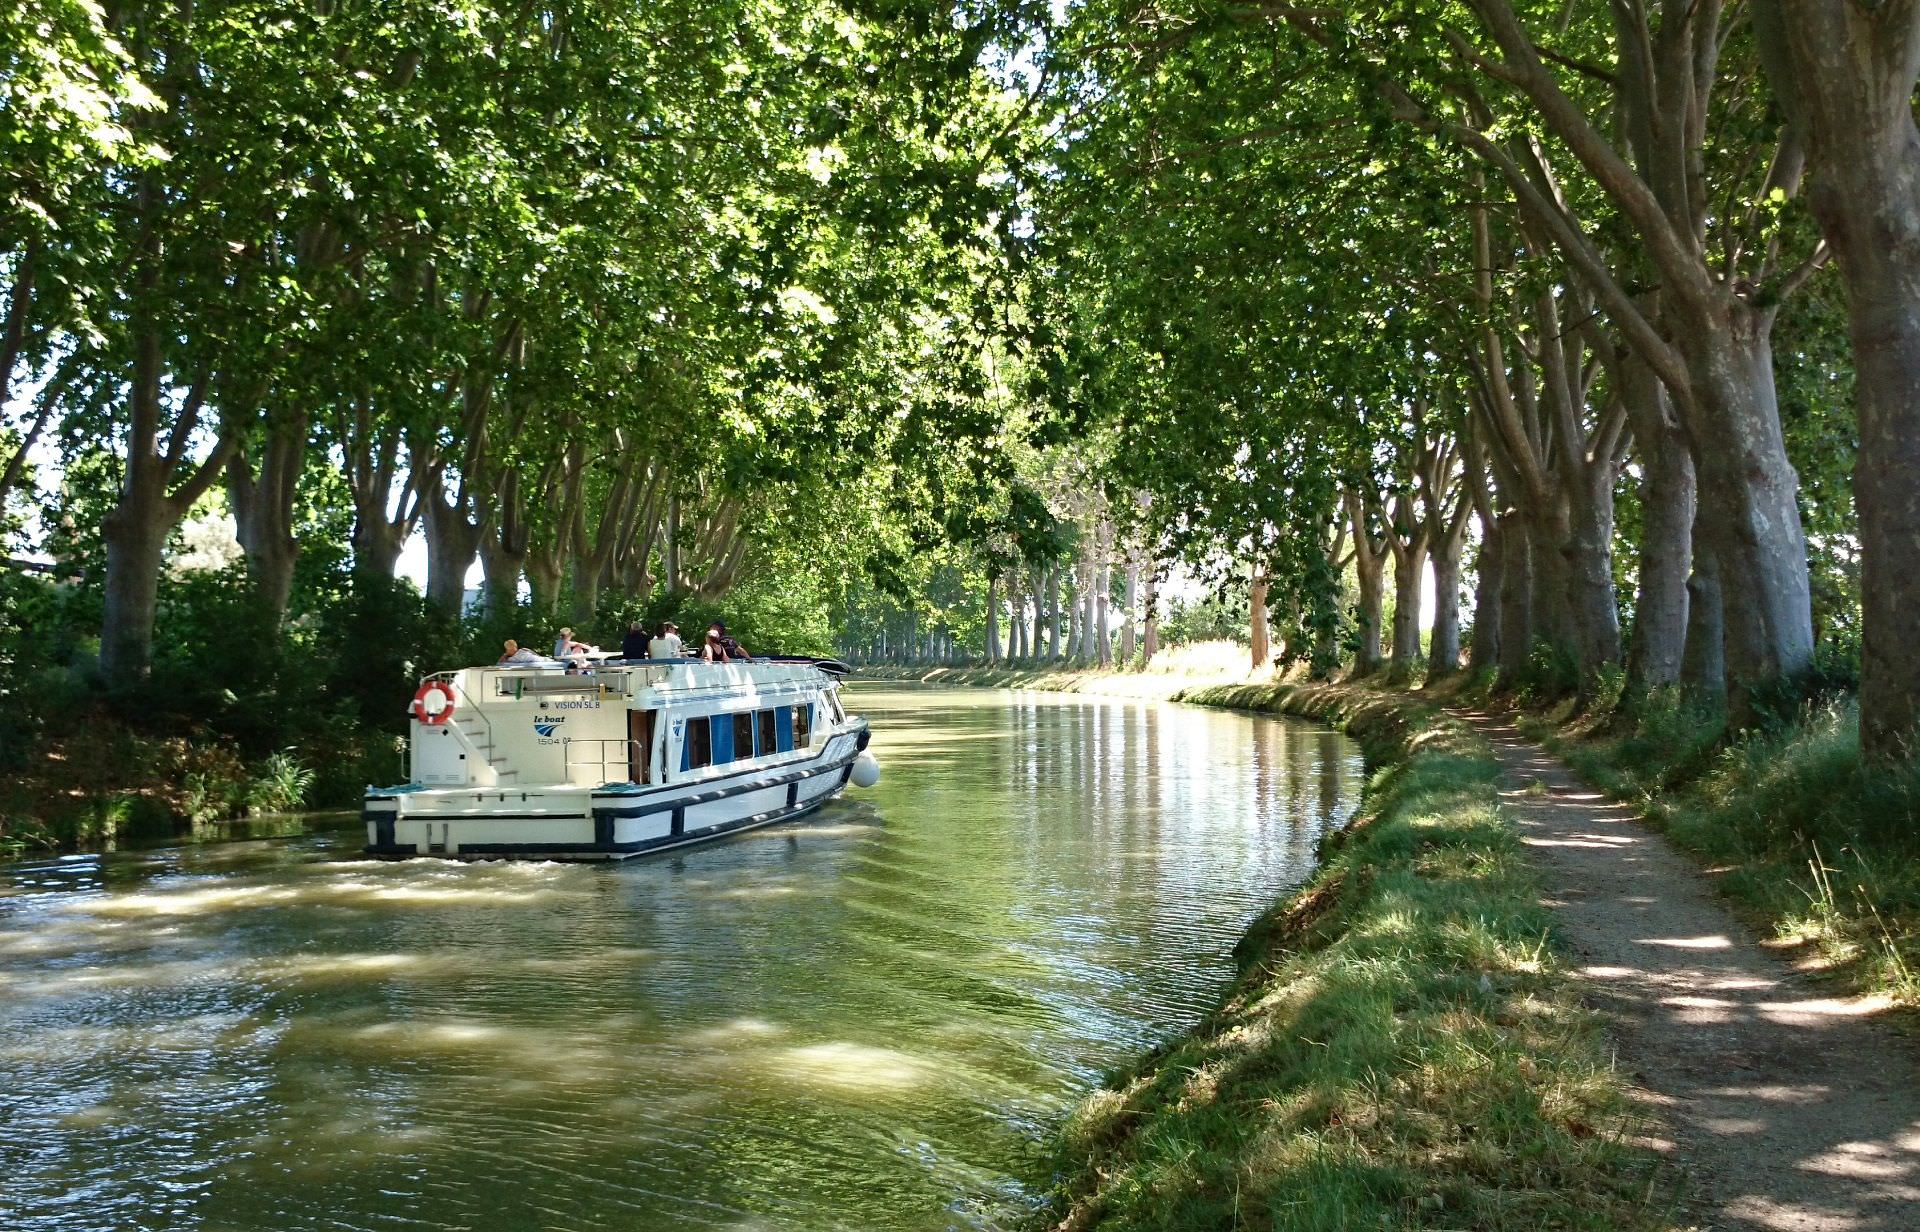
1818	851
1402	1048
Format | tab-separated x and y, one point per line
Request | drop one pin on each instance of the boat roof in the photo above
653	680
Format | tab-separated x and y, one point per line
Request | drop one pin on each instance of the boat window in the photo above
803	725
783	728
697	750
722	738
767	740
743	736
839	712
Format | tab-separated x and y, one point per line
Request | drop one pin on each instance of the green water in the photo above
868	1019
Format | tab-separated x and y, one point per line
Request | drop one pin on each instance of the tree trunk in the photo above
263	510
1409	575
1886	487
1748	493
1516	598
993	620
1128	646
1053	610
586	587
1443	649
1484	654
1547	535
1844	74
1368	613
502	567
1592	607
136	541
376	548
452	544
1090	576
1657	644
1703	667
1073	606
1260	635
1103	591
135	530
1150	638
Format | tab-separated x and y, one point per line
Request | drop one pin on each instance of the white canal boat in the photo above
615	759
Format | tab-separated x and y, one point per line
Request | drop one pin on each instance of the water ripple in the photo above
866	1021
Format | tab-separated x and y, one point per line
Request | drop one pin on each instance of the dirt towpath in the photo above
1792	1109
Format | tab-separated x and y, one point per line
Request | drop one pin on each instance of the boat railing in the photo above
511	684
597	755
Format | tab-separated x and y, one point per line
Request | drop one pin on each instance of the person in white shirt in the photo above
667	645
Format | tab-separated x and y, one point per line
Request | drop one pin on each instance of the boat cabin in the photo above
641	723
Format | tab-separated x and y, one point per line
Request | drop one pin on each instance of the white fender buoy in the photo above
866	770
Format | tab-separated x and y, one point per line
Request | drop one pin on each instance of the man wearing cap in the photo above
667	645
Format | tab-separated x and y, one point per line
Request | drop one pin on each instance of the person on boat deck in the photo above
634	644
564	647
514	652
734	649
667	644
713	650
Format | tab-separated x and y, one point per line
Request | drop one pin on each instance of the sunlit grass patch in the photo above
1403	1048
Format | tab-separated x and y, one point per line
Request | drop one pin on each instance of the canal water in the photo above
868	1019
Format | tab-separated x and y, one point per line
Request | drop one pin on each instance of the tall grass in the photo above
1402	1049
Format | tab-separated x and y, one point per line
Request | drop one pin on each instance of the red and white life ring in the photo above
433	704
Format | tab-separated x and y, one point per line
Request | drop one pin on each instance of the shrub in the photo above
280	784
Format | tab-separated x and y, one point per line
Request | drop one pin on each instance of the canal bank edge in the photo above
1403	1046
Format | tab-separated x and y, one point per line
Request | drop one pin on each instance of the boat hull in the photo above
613	822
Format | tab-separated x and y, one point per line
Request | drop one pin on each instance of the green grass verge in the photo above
1402	1048
1814	847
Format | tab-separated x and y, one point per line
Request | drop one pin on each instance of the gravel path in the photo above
1792	1109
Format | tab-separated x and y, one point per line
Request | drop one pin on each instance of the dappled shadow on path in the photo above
1795	1110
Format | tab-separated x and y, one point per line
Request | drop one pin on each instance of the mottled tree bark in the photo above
1593	609
1409	576
1369	567
1845	73
993	620
1260	633
1483	654
146	511
1703	667
1657	645
1150	638
452	544
1053	610
1443	645
1516	599
1103	597
263	508
1749	510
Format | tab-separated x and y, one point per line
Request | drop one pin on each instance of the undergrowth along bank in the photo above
1815	847
1402	1047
